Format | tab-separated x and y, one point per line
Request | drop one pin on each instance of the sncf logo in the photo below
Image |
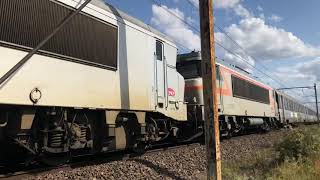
171	92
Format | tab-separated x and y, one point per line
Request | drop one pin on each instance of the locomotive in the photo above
108	82
244	103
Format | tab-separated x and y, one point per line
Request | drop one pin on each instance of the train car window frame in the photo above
159	47
97	57
249	90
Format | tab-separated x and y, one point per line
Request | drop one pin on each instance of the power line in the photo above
237	44
178	17
228	50
239	57
219	44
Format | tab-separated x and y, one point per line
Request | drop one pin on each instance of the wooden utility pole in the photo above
316	96
212	133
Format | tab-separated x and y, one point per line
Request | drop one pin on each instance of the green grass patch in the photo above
296	157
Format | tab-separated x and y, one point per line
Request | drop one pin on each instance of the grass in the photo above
296	157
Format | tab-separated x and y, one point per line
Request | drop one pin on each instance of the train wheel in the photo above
52	159
265	127
140	148
229	134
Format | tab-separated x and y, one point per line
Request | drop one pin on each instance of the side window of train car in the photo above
159	50
246	90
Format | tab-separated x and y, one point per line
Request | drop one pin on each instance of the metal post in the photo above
42	43
212	133
316	95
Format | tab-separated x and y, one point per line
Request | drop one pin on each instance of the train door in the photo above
284	107
160	74
219	84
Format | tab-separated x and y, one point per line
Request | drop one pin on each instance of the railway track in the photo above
23	172
81	161
161	161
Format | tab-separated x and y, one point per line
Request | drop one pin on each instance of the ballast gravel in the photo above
183	163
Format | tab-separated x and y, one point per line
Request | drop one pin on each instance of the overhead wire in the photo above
218	43
240	47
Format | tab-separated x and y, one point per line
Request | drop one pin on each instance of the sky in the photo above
275	38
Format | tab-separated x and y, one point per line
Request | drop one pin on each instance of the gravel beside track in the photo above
182	163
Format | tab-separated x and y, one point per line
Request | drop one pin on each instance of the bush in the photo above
299	144
296	157
294	170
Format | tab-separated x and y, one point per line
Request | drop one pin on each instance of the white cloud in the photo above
262	41
174	27
241	11
275	18
237	58
311	69
190	20
226	3
304	73
219	3
266	42
195	3
292	75
261	16
260	8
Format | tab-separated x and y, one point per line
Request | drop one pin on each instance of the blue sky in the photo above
281	35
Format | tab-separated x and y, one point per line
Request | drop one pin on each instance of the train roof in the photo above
196	56
111	9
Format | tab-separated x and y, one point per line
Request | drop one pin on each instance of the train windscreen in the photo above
190	69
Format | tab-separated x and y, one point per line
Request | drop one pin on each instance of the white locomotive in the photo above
105	82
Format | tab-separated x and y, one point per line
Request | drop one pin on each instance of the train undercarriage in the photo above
232	125
52	135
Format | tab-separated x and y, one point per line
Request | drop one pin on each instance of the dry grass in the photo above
296	157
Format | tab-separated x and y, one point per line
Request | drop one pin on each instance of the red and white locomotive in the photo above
244	103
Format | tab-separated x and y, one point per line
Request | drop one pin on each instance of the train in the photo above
244	102
108	82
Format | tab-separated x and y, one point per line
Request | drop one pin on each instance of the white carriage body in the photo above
231	104
139	82
228	104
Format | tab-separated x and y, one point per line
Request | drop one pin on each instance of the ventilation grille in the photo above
24	23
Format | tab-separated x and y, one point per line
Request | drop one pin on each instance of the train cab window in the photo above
159	50
190	69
